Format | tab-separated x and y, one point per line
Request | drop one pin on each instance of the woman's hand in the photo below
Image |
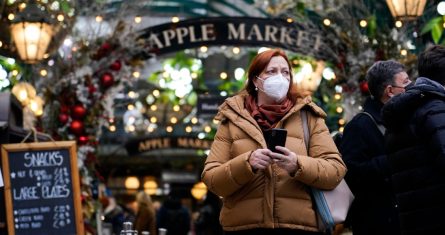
260	159
286	159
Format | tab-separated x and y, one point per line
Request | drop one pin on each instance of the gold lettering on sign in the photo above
250	31
270	33
168	35
193	143
180	142
236	33
154	41
154	144
255	32
285	37
208	32
192	35
181	32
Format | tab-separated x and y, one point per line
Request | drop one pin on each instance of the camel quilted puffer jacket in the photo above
269	198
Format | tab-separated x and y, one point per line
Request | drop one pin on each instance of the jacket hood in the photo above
427	84
399	109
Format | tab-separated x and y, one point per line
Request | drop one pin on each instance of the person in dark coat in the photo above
113	214
415	122
173	216
363	150
207	222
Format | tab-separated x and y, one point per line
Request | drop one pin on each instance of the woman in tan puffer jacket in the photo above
265	192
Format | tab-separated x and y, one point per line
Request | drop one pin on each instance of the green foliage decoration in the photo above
435	27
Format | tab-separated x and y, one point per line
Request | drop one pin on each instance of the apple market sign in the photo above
235	31
140	145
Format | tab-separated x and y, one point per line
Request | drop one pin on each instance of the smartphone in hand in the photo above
275	137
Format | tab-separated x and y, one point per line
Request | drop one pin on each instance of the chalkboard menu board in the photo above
42	189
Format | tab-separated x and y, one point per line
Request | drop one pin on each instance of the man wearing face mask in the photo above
416	127
363	150
265	192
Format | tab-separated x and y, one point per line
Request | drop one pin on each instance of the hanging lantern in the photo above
31	32
24	92
36	105
406	10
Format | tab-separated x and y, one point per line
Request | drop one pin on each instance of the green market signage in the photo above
236	31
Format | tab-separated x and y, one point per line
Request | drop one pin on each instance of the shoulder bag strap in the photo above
324	217
381	128
305	129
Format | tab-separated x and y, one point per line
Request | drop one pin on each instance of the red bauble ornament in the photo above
107	80
78	111
106	47
76	127
364	87
83	139
103	51
92	89
64	109
340	65
63	118
116	66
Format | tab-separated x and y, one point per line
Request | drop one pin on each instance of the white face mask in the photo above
276	87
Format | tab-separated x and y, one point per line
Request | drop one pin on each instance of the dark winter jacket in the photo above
415	122
207	222
174	217
363	151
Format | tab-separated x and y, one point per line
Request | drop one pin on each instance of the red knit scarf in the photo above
267	115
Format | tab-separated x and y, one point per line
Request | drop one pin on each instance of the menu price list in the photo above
33	218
